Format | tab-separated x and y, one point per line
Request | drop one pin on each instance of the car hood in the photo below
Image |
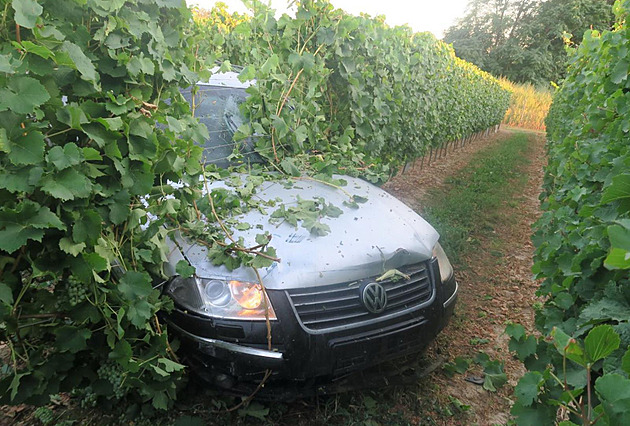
382	234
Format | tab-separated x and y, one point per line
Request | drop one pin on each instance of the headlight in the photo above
446	269
221	298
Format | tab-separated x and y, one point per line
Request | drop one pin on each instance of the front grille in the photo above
339	305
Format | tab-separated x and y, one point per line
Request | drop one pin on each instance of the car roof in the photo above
225	79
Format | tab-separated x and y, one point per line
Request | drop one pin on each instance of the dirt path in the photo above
496	284
422	176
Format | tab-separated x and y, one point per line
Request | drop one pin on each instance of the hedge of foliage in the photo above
82	86
359	91
581	364
93	130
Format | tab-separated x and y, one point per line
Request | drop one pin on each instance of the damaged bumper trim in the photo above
453	296
230	347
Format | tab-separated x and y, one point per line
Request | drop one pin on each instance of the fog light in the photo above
224	381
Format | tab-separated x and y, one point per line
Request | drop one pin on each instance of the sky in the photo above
421	15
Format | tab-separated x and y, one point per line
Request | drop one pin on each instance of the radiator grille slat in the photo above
339	305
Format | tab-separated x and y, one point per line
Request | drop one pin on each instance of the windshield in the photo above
217	107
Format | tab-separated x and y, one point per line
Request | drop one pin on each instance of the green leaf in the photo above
15	382
91	154
119	208
172	4
27	149
255	410
495	377
568	346
528	387
135	286
82	63
5	64
270	64
301	133
619	255
263	239
618	189
70	247
141	148
614	393
4	141
289	167
6	295
72	115
114	123
26	12
122	353
160	401
243	226
617	259
96	262
524	347
36	49
22	95
72	339
539	414
189	421
515	331
620	72
459	366
316	227
67	185
65	157
138	178
248	73
184	269
331	211
100	134
27	222
22	179
87	228
600	342
262	262
625	362
170	366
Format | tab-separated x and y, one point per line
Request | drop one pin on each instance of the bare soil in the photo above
495	279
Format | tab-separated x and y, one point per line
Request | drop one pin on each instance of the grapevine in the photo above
579	363
94	129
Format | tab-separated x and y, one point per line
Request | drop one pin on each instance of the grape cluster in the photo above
89	399
77	291
44	415
114	375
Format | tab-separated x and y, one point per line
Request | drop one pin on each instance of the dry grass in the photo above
528	106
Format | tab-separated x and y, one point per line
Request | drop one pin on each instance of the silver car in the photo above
377	286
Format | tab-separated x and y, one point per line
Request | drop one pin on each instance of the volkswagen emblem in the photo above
374	298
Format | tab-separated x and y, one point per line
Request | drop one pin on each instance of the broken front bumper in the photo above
229	351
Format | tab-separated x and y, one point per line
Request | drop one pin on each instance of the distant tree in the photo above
523	40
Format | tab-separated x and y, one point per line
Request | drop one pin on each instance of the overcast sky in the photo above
421	15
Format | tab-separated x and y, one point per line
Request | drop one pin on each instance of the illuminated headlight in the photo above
446	269
221	298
